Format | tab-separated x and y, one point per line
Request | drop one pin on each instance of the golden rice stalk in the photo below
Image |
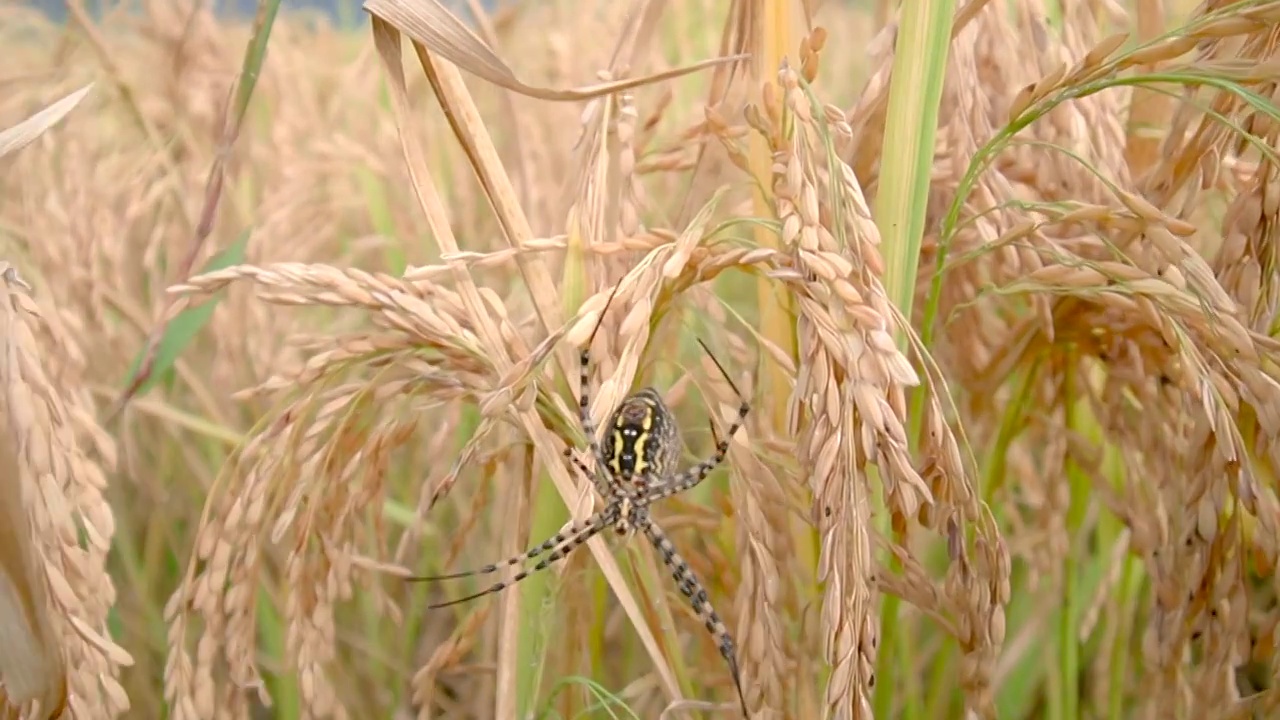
764	599
312	477
31	665
849	411
56	656
765	29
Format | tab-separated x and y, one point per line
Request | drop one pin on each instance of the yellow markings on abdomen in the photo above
637	445
619	444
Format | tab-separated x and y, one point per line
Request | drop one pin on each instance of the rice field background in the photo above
339	12
292	312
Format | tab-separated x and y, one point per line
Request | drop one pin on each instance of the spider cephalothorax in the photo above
636	456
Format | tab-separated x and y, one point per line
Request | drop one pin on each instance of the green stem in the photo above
1126	605
1078	421
915	92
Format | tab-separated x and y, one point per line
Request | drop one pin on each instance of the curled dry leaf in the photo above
430	23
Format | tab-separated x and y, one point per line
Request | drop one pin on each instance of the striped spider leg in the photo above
692	589
560	545
600	478
667	485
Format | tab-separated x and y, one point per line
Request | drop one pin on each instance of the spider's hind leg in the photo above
697	595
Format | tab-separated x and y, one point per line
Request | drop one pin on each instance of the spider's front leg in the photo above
560	546
676	484
599	478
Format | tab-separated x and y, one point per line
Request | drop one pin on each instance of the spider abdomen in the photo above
641	439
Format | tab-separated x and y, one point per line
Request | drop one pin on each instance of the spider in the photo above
635	467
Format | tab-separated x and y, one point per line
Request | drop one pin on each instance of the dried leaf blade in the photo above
24	133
